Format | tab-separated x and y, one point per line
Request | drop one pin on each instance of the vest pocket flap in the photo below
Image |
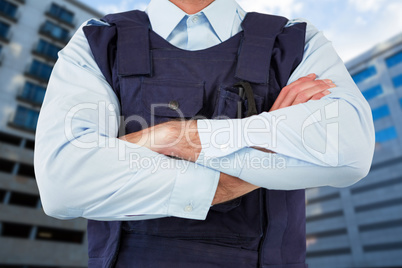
172	98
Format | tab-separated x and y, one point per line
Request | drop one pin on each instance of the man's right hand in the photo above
230	187
304	89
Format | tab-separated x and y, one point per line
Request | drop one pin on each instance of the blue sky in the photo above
353	26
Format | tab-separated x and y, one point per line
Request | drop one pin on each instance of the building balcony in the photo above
31	97
45	52
60	20
39	71
5	36
9	16
61	15
24	119
44	56
57	35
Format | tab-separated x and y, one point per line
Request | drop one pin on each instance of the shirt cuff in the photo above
224	137
219	138
193	192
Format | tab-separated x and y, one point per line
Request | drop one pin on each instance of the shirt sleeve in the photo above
83	170
316	139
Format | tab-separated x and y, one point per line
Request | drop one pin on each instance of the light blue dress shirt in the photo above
83	170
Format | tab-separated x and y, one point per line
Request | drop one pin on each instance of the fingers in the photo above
306	94
303	90
318	96
282	95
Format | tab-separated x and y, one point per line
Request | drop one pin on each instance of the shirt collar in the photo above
164	16
220	14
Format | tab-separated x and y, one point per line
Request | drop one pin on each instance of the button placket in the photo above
195	19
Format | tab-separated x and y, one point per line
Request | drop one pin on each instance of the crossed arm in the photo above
84	170
181	138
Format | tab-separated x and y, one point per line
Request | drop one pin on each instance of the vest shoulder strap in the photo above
110	43
260	34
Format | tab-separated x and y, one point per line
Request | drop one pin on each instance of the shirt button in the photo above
174	105
195	19
188	208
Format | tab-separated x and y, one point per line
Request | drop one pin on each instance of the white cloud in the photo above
367	5
285	8
353	35
123	5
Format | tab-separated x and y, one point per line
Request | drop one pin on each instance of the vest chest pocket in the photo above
163	100
231	103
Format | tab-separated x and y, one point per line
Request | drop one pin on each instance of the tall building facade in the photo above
361	226
31	34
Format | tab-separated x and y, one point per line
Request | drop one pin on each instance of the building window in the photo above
363	75
10	139
30	144
4	30
47	49
59	235
386	134
372	92
33	93
15	230
397	80
26	118
26	171
8	9
25	200
381	112
394	59
61	13
2	195
40	70
54	31
6	166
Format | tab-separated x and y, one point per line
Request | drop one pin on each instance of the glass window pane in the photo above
372	92
47	49
59	235
26	200
33	93
61	13
363	75
381	112
4	28
386	135
40	69
394	59
55	31
397	81
8	8
26	118
15	230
